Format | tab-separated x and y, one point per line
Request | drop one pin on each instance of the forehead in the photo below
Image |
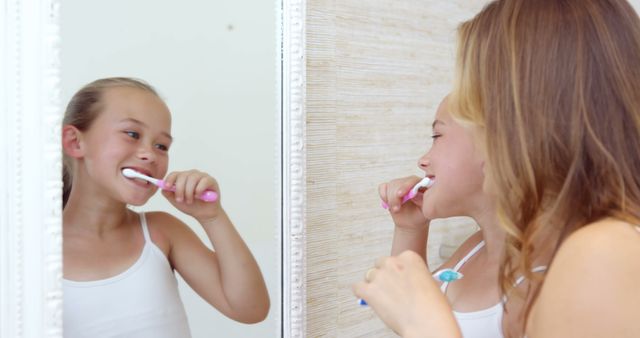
129	102
442	114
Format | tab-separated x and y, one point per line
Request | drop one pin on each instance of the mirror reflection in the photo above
214	66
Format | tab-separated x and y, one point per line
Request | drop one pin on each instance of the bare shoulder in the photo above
165	228
590	289
605	234
607	244
600	255
164	220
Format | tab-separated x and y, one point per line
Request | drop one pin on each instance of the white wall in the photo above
214	62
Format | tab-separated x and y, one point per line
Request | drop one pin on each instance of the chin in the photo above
428	209
137	201
429	213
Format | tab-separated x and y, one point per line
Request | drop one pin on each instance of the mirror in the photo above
215	65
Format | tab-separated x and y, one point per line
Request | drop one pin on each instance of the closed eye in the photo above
435	136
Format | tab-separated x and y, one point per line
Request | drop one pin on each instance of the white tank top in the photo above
141	302
486	323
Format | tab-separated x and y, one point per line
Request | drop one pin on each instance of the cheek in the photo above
461	168
115	151
162	164
459	177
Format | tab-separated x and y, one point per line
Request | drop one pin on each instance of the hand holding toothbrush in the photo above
404	294
403	198
207	195
192	192
190	186
424	183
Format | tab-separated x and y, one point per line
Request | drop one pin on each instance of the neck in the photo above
492	233
93	213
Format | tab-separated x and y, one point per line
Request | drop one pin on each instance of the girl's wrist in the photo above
211	220
412	230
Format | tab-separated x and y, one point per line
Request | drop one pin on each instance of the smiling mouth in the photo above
138	181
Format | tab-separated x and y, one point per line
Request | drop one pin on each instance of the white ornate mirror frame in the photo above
293	169
30	205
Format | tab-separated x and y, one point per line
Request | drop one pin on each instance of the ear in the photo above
71	141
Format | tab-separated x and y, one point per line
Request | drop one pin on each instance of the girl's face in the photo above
132	130
456	166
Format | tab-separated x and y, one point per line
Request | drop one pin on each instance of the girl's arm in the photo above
414	239
411	227
591	289
227	277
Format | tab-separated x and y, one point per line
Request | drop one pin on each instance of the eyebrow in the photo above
132	120
435	122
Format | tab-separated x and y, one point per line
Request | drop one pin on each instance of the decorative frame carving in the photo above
30	206
293	168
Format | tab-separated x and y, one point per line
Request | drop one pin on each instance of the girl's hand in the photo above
408	215
406	297
190	184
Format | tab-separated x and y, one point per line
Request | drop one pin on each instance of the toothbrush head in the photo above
424	183
130	173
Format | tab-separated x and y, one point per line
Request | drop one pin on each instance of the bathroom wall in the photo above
376	71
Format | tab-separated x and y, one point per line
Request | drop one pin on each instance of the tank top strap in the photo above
145	228
536	269
461	262
521	279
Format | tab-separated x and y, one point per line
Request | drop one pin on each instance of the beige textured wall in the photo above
376	71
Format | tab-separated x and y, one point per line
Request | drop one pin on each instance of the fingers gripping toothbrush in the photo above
207	196
444	275
424	183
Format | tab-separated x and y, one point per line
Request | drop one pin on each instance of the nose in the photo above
424	162
146	153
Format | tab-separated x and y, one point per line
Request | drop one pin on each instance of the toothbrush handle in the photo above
444	275
207	195
406	197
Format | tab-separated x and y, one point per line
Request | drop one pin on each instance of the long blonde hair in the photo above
84	107
554	88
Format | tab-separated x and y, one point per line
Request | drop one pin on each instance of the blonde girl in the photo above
551	88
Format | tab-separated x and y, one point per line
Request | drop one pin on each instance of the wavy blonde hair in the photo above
554	88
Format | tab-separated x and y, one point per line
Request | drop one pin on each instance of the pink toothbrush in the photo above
207	196
424	183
